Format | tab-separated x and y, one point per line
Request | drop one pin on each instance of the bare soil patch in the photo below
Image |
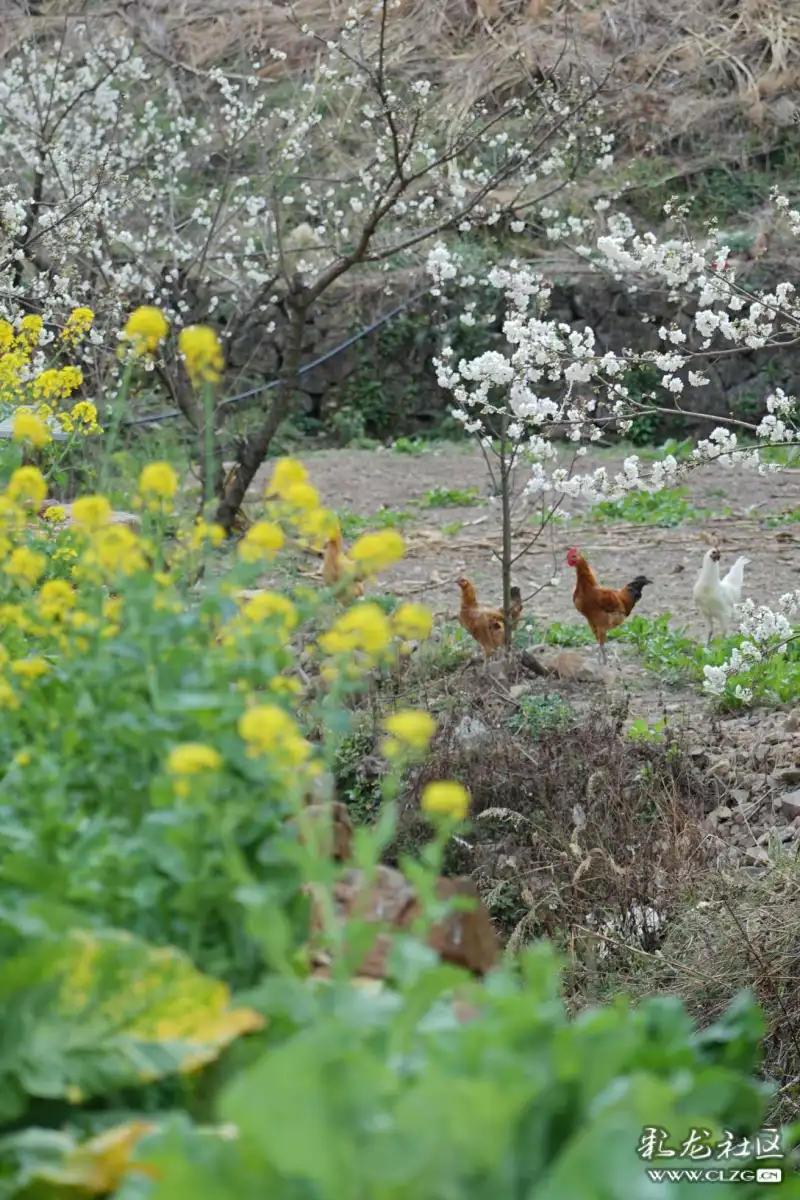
366	482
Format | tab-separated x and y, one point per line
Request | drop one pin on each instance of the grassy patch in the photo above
354	524
411	445
538	715
358	775
666	509
442	497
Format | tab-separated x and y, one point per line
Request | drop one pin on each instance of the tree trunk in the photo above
257	446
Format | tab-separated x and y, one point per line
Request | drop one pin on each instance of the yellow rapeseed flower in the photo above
25	566
445	799
6	336
317	525
8	697
30	330
55	598
412	621
411	728
12	368
56	383
262	540
301	496
29	427
84	414
55	513
202	353
192	758
269	729
117	548
266	605
286	473
375	551
112	608
79	322
410	733
145	329
30	669
283	685
205	531
91	512
158	480
363	627
27	484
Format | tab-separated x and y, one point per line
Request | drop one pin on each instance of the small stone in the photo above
787	775
756	854
790	804
741	795
762	752
471	733
519	689
792	724
722	813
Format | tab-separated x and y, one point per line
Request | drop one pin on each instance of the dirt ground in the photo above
740	512
364	482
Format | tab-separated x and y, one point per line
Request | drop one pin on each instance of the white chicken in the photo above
716	598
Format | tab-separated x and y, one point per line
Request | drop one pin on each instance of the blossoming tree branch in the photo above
355	172
556	394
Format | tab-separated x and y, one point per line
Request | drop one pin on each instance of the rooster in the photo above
337	569
486	625
716	598
603	608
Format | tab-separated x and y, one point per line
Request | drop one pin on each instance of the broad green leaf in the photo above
95	1167
92	1012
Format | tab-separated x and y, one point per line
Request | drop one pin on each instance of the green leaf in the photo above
94	1012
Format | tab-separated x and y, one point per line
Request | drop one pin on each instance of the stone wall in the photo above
389	375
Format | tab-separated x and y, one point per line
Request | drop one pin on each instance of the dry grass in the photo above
688	73
744	934
576	828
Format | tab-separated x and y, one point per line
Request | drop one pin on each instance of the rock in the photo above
741	795
471	734
117	518
465	939
789	804
519	689
567	664
787	775
762	752
56	432
792	723
756	854
783	835
721	767
717	815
